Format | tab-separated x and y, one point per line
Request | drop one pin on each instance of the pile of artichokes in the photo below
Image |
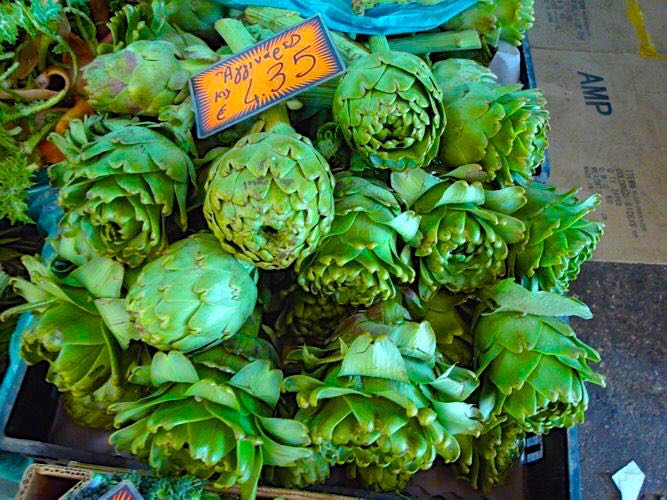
367	277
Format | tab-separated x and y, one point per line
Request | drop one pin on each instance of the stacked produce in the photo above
366	276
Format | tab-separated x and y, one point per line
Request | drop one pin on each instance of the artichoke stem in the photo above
320	96
446	41
236	36
378	43
278	20
274	116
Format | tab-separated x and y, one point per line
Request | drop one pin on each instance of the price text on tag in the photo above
263	75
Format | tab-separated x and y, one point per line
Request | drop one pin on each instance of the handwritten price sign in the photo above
263	75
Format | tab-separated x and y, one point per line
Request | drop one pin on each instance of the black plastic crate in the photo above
32	423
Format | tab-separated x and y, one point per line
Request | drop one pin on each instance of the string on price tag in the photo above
263	75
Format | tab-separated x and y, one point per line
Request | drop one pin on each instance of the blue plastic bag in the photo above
44	210
385	19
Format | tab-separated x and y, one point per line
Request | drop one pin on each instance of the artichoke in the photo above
196	16
558	238
386	401
153	21
389	109
452	333
206	418
305	472
500	127
496	20
308	318
486	460
142	78
92	410
330	142
195	295
68	330
357	262
465	229
531	365
118	183
269	199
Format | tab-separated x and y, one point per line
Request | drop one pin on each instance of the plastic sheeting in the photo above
45	211
385	19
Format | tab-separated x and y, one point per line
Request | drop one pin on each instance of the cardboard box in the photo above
603	68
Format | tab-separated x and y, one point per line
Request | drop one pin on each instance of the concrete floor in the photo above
627	420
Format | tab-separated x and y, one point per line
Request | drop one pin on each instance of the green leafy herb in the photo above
15	179
17	16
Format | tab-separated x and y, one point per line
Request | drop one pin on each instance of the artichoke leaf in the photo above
512	297
172	367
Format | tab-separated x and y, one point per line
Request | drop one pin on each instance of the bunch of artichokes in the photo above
408	306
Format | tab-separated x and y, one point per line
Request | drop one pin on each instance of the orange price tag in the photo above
263	75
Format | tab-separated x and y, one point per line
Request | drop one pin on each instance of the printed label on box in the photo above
263	75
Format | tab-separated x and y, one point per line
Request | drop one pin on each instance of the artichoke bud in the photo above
522	375
487	459
85	359
466	229
195	295
119	182
496	20
308	318
387	402
141	78
356	262
149	21
500	127
558	238
201	420
389	108
269	199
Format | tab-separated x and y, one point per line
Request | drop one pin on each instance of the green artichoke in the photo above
486	460
531	365
269	199
308	318
389	108
465	229
68	331
196	16
209	420
357	262
92	410
195	295
496	20
452	332
142	78
330	142
386	401
305	472
153	21
558	238
500	127
118	183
